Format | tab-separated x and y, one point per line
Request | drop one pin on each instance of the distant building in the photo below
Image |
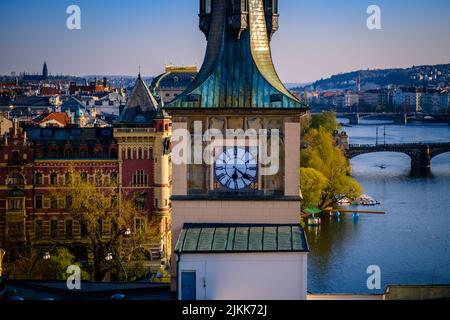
411	100
172	82
35	161
369	98
434	101
49	91
341	140
55	119
76	111
351	99
5	123
105	104
92	88
37	78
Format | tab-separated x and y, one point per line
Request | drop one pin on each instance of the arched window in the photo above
15	158
98	178
53	179
113	177
38	178
16	179
129	154
140	154
83	176
68	177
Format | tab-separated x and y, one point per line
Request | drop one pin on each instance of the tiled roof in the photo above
61	117
239	238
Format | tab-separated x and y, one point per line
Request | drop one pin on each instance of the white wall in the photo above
247	276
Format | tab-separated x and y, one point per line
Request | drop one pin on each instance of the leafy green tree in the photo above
323	156
109	219
326	120
313	184
54	268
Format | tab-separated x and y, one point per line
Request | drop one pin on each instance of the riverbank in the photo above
410	244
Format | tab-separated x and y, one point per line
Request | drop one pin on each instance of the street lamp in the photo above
46	256
109	257
127	232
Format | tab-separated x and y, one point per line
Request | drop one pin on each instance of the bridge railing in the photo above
403	145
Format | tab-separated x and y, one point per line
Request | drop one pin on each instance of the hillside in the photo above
417	76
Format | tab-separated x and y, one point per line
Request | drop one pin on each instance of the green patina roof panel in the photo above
206	239
241	239
220	239
284	238
223	238
255	240
270	239
191	240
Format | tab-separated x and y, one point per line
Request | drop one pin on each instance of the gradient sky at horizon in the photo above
317	38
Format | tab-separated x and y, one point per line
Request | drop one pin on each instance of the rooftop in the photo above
241	238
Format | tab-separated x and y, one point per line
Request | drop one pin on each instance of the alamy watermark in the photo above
73	22
374	19
206	147
74	280
374	280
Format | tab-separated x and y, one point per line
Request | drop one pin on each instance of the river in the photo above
411	243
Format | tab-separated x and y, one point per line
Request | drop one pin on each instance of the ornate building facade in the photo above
36	162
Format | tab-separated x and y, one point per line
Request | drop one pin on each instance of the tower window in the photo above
53	202
69	229
98	178
38	178
38	229
54	179
38	202
53	229
15	204
15	157
68	178
113	177
140	178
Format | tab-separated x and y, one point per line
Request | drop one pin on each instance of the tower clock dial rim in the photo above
236	169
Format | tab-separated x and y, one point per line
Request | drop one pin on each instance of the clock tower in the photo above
236	128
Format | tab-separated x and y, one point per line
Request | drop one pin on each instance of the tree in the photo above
323	156
326	120
115	224
54	267
313	184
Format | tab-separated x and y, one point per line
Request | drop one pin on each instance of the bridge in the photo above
421	154
403	118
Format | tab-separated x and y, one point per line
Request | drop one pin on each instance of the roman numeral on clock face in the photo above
236	169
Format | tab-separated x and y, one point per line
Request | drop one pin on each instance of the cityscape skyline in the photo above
102	43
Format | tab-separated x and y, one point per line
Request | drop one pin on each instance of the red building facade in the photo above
36	161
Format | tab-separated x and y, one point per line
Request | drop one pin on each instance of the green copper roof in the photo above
235	238
237	72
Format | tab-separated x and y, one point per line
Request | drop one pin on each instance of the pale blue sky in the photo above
317	38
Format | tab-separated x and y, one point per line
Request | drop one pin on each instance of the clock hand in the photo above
235	175
244	175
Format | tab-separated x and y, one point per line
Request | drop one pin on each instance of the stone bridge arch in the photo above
420	154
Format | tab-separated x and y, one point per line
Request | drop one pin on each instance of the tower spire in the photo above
238	71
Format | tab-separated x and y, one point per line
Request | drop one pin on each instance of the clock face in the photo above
236	169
